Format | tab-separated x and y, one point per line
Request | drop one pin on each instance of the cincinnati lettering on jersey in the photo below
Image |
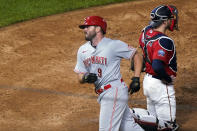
95	60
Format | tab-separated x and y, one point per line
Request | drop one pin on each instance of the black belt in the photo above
153	76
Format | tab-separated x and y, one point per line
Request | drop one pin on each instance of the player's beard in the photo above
168	25
90	36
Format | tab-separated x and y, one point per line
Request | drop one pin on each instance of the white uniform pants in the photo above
160	98
115	114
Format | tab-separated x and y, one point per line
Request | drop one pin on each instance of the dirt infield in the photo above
39	90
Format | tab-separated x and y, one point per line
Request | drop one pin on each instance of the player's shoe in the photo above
171	127
175	127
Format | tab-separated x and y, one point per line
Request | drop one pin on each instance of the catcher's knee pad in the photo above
150	122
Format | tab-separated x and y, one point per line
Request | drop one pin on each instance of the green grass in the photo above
12	11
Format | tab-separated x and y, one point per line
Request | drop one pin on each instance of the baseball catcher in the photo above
161	66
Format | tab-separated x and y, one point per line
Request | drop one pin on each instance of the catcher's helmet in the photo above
162	13
94	20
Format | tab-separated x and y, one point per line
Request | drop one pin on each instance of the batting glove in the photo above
135	85
89	77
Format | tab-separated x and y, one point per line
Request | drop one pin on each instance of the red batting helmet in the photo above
94	20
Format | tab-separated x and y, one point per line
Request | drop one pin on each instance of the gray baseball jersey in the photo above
104	60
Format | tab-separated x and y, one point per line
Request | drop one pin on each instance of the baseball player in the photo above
160	61
98	62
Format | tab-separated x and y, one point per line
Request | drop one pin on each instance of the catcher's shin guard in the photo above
150	123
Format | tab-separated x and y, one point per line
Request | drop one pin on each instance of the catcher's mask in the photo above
162	13
95	21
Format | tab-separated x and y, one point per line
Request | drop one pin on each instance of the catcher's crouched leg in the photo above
150	123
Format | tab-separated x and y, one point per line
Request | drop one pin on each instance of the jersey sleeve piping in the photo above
172	58
163	46
133	53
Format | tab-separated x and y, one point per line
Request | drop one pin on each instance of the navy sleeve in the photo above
159	69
